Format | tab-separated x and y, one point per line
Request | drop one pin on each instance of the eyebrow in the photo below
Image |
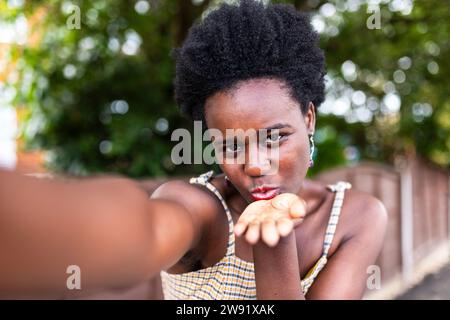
279	125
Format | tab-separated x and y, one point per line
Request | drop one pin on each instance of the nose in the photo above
257	162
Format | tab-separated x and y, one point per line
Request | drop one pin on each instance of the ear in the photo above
310	119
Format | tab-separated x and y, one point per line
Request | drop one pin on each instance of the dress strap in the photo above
203	180
339	188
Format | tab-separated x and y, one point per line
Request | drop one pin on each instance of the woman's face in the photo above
252	106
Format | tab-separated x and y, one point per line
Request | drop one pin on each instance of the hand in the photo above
271	219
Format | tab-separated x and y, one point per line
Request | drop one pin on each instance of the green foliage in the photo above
100	98
406	58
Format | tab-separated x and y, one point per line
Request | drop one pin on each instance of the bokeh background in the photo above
99	98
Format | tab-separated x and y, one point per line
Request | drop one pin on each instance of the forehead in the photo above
256	104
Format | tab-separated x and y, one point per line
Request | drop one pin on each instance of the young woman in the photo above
244	234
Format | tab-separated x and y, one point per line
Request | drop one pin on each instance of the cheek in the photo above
232	171
294	160
235	174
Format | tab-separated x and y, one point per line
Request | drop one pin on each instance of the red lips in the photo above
264	193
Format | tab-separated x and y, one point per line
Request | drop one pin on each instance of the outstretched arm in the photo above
106	226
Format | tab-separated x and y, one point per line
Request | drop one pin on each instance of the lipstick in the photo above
264	193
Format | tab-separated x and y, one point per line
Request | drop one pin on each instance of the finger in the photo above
252	235
240	228
298	208
283	201
246	217
285	226
270	233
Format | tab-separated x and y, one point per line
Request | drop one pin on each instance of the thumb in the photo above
284	201
298	209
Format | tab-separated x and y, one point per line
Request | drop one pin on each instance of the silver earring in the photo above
311	149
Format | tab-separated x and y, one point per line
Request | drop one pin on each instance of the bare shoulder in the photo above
194	198
363	214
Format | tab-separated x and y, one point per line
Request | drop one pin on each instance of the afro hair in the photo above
244	41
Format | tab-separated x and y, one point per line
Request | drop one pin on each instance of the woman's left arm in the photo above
268	226
277	273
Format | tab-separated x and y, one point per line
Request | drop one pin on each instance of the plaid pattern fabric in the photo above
233	278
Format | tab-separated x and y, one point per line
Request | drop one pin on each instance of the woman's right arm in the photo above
108	227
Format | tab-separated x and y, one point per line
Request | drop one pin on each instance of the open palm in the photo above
269	220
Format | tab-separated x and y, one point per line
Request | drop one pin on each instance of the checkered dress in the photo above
233	278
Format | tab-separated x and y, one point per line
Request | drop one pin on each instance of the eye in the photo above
233	147
273	140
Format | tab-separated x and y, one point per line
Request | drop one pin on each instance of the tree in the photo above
100	98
